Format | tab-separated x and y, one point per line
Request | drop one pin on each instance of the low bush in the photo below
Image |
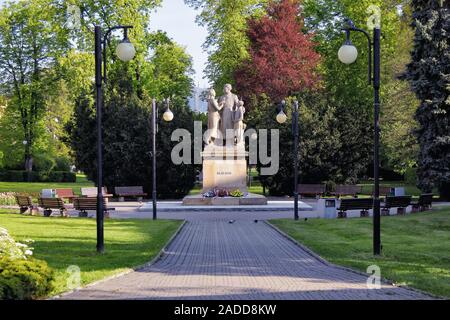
37	176
411	176
21	277
24	279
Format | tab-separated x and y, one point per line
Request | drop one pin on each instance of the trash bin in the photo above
48	193
398	192
327	208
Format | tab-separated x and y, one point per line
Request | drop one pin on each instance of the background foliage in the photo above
429	76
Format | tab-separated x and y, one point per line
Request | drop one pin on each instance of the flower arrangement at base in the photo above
236	193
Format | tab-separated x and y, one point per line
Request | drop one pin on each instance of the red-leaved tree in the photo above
283	59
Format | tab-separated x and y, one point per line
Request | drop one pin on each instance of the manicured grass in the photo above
416	248
410	190
36	187
66	242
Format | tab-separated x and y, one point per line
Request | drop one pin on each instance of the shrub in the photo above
24	279
69	176
56	176
126	128
21	277
411	176
43	162
62	164
37	176
12	249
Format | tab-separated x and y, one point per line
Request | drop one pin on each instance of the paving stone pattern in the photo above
214	259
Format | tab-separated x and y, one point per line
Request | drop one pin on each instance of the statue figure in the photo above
230	102
213	116
239	126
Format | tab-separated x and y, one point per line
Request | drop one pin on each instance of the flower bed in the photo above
7	199
21	276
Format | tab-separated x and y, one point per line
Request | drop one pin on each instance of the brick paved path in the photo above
213	259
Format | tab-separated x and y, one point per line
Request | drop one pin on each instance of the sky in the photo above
178	20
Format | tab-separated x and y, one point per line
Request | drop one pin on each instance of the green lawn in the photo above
409	189
65	242
36	187
416	248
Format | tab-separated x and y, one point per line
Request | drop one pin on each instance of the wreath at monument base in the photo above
222	193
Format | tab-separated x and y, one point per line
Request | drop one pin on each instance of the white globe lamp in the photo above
348	53
168	115
125	50
281	117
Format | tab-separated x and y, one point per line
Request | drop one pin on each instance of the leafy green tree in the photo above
169	72
160	69
399	144
429	76
30	42
227	43
349	84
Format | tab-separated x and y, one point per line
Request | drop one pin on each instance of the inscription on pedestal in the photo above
225	174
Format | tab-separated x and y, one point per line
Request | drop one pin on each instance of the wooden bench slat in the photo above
355	204
92	191
24	201
348	190
131	191
89	204
65	193
397	202
311	189
425	202
52	203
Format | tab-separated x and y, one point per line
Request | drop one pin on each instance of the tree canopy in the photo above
282	58
429	76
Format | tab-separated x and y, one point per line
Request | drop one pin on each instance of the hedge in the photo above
25	279
24	176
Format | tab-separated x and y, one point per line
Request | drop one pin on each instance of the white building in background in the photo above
197	101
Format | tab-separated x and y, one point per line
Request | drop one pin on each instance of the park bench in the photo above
134	192
311	189
89	204
384	191
401	203
25	203
53	203
424	203
347	190
66	193
91	192
363	204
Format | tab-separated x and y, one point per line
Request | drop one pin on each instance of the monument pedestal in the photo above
225	168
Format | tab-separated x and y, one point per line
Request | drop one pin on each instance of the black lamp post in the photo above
348	54
168	116
281	118
126	52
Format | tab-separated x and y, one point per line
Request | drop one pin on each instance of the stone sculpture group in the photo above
225	119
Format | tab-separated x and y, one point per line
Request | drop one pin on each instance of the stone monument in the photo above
224	156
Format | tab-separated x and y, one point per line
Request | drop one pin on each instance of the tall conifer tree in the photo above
429	76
